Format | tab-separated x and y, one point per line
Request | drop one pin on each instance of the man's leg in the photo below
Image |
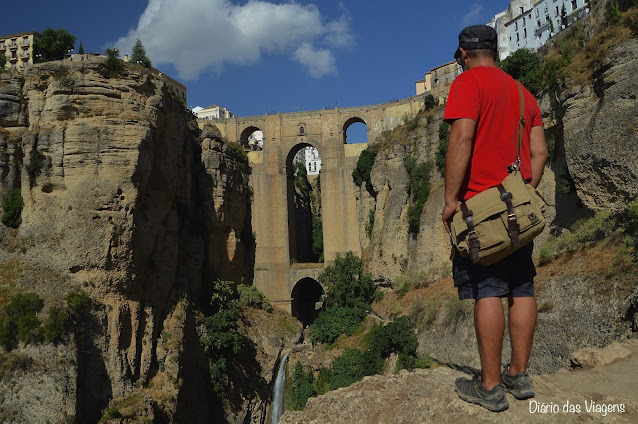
522	322
489	323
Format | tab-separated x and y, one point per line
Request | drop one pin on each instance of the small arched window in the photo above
302	130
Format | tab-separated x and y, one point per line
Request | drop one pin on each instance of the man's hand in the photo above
448	211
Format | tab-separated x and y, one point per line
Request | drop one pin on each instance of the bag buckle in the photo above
511	217
514	166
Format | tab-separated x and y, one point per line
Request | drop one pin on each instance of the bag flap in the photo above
488	202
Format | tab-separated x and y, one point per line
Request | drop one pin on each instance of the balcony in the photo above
13	46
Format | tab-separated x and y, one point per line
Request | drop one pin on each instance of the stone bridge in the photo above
289	285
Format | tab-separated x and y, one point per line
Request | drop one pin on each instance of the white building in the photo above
256	140
310	157
527	24
212	112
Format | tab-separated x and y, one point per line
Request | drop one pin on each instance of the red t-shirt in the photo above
489	96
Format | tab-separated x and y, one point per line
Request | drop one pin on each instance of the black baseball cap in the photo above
477	37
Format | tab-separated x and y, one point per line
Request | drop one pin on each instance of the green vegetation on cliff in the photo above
397	337
19	320
602	225
418	189
12	204
221	339
361	173
349	293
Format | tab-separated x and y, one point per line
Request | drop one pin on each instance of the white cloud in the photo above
472	17
199	35
318	62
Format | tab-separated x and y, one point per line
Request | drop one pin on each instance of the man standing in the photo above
483	109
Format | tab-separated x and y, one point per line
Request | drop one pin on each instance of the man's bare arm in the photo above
457	159
538	154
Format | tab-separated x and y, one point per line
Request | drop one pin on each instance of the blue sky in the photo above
255	57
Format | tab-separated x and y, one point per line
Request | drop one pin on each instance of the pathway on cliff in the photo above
603	390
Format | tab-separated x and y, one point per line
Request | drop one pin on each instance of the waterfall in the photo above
277	406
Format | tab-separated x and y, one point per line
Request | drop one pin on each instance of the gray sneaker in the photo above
473	391
519	385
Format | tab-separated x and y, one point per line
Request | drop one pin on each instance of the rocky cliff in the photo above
127	200
600	392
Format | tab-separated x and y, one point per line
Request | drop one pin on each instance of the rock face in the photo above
599	131
603	393
123	199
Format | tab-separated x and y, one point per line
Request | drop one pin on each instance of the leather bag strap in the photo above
472	238
521	127
513	227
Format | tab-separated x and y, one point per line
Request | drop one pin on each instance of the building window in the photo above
547	18
574	6
523	20
557	12
538	24
517	37
2	47
524	32
302	130
515	26
522	10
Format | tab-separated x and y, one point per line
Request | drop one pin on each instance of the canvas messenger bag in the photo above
498	221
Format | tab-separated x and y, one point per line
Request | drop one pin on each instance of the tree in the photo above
138	55
53	45
347	284
523	65
81	49
3	61
114	66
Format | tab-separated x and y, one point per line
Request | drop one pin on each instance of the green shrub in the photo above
419	188
301	389
347	284
353	365
430	102
251	296
361	173
239	154
563	182
439	159
55	325
335	321
114	66
612	13
34	167
411	362
593	229
370	224
110	413
78	303
12	204
221	339
18	321
523	65
395	337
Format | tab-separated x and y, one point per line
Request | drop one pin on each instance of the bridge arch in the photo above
348	123
305	227
245	135
306	300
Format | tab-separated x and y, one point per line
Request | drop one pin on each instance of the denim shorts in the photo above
512	276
